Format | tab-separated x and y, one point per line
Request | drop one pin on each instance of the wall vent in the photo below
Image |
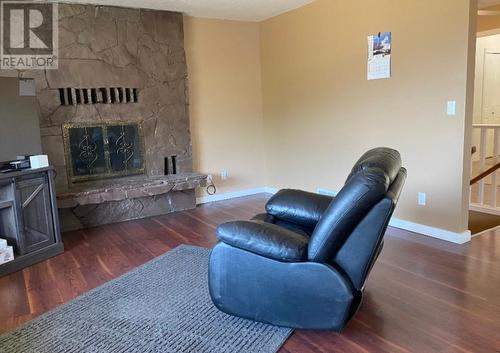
106	95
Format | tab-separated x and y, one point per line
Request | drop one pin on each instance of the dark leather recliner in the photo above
304	263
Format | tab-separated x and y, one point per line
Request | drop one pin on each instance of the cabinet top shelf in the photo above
22	172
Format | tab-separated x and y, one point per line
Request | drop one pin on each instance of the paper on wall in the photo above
379	56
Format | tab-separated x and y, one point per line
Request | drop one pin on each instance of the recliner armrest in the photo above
297	206
264	239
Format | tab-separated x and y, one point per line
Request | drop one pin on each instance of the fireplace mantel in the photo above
97	192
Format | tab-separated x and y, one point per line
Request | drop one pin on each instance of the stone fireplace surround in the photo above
102	46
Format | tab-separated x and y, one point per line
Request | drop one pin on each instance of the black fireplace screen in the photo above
104	150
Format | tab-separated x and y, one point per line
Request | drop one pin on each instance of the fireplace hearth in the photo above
99	202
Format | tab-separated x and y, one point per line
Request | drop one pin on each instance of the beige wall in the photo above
321	113
489	23
226	101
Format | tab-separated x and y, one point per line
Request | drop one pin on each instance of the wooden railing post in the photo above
482	161
488	147
496	151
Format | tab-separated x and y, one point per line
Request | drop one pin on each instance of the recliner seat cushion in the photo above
264	239
297	228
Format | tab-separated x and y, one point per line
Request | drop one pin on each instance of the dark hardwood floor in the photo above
423	295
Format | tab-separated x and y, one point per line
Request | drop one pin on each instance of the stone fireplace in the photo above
115	112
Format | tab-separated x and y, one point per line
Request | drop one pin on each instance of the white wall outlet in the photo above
422	198
224	175
451	108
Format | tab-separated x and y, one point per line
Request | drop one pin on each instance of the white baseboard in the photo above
234	194
484	209
327	192
443	234
486	231
270	190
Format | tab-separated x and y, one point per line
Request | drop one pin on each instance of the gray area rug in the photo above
161	307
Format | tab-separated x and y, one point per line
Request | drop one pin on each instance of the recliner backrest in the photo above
366	186
357	255
383	158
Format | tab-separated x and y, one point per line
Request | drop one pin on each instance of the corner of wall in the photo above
469	111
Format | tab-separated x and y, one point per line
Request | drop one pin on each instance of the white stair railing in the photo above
486	139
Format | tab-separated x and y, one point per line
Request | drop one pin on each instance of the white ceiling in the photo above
487	3
245	10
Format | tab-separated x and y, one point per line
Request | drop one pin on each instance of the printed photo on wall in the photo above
379	56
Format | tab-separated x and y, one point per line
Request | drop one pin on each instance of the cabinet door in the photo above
34	206
9	228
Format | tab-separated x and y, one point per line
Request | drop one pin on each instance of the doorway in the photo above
485	192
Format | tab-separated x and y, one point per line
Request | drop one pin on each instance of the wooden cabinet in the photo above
28	217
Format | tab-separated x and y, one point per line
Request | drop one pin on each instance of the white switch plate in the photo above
452	108
422	198
27	87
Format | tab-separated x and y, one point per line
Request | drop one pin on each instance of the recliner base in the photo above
305	295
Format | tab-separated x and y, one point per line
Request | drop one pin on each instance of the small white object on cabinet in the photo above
40	161
6	252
